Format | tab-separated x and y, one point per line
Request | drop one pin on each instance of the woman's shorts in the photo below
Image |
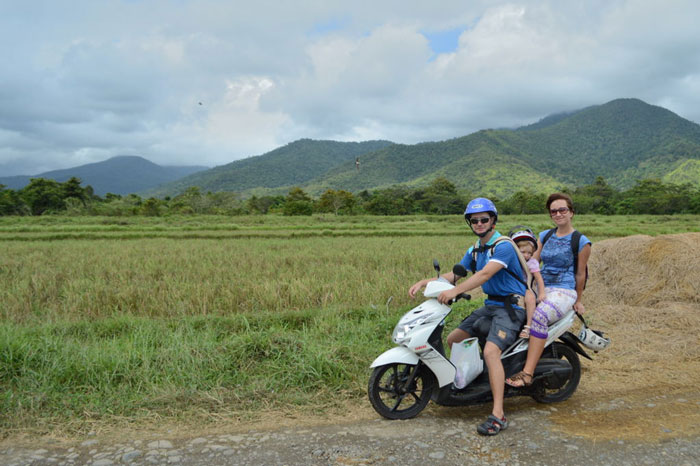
552	308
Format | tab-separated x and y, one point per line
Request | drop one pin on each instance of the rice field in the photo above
209	317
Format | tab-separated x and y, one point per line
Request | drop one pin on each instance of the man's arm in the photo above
449	276
476	280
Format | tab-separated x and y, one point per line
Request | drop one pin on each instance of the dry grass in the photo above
645	271
644	293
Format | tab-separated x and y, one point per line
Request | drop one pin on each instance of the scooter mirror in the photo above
459	270
436	266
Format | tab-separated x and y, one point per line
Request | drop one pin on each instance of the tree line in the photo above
44	197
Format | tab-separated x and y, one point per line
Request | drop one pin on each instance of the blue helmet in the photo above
480	204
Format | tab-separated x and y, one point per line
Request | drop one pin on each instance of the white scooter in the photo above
406	377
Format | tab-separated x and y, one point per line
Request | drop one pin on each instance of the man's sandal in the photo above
492	425
519	380
525	332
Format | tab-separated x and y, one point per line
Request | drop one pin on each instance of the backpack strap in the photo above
523	264
548	235
475	249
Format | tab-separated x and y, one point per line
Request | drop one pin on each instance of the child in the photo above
527	243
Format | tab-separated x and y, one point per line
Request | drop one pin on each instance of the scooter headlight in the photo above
404	328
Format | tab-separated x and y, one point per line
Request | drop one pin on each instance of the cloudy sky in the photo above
205	82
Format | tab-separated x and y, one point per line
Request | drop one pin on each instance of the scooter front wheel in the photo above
400	391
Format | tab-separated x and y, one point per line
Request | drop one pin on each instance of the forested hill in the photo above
623	140
123	174
294	164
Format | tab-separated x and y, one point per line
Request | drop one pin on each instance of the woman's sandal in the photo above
492	425
525	332
519	380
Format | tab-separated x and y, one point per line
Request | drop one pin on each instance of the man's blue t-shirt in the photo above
501	283
558	260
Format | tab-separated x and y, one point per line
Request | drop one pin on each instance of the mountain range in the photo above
123	174
295	164
624	140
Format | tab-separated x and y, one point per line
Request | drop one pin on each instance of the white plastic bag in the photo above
465	357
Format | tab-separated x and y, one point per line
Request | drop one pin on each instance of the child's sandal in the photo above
525	332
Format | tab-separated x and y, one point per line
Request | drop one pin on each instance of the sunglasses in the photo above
560	211
481	220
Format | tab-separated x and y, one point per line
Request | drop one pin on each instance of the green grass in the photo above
48	228
132	366
176	323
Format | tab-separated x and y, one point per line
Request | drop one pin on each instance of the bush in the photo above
298	208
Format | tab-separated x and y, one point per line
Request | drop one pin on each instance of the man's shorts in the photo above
504	331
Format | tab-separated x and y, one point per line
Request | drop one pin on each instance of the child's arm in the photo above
540	286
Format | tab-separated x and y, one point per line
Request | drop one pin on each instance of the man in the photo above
494	268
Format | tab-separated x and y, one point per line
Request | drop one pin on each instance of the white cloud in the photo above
98	79
238	123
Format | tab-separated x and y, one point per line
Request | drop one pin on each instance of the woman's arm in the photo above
536	255
540	286
581	277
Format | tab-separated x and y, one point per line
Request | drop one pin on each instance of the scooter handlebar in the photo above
461	296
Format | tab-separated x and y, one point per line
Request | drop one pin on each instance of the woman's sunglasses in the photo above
481	220
560	211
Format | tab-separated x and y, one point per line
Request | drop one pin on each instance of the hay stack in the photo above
644	293
644	270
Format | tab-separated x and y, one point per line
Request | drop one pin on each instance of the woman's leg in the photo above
551	309
534	352
558	302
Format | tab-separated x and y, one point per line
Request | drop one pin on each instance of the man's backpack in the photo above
575	241
523	263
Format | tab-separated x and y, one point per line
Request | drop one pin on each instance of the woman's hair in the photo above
557	196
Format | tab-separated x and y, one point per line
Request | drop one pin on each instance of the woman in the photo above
563	284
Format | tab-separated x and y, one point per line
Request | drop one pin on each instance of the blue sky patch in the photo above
326	27
443	41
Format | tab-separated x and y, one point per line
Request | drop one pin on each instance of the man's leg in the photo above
503	332
456	336
497	377
464	330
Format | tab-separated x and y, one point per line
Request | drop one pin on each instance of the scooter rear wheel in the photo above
400	391
544	394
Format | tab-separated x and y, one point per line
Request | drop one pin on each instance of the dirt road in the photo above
635	430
